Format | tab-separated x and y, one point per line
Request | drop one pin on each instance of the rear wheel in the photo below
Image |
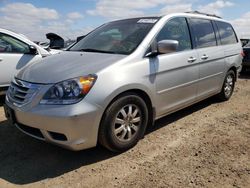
124	123
228	86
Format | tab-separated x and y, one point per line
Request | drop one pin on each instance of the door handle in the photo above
204	57
1	59
191	59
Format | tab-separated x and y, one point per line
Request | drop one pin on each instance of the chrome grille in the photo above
21	92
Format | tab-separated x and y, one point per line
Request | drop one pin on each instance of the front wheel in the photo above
124	123
228	86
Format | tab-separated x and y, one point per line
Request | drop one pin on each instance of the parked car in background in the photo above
246	59
16	51
123	76
46	46
244	41
56	43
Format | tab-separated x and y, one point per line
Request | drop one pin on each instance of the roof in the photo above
203	13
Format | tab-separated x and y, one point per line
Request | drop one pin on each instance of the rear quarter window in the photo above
226	32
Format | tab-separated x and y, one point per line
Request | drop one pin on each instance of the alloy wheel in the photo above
228	88
127	123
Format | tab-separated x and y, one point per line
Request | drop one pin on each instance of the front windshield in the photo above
118	37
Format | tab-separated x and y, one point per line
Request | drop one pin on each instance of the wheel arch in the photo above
143	95
234	69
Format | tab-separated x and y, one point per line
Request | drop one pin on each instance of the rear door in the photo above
210	55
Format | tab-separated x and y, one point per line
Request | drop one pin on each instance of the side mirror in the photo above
162	47
33	50
167	46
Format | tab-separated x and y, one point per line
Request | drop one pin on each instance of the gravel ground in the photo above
205	145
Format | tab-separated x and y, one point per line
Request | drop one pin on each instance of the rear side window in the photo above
203	33
176	29
227	34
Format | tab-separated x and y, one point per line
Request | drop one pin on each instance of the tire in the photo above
228	86
124	123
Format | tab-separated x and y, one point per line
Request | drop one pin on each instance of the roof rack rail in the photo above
202	13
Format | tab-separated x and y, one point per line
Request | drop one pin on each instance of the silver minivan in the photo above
113	84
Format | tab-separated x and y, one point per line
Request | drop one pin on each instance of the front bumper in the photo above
74	127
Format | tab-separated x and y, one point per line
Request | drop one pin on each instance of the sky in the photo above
72	18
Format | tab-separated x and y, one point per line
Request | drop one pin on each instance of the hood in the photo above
66	65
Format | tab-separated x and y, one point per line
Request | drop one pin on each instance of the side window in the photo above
9	44
202	32
227	34
176	29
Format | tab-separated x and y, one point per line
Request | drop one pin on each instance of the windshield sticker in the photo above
147	21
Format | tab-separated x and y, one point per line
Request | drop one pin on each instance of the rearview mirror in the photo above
167	46
162	47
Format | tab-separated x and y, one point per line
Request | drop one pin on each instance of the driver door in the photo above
177	72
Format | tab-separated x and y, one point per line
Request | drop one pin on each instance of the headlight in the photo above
69	91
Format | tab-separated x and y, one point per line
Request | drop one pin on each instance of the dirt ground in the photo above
205	145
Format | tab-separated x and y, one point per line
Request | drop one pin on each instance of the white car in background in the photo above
16	51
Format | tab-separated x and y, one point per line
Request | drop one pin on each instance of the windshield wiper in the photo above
95	50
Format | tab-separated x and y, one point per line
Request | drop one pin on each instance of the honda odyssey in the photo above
120	78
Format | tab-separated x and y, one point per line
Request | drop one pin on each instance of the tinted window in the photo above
10	44
203	33
119	37
176	29
227	34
